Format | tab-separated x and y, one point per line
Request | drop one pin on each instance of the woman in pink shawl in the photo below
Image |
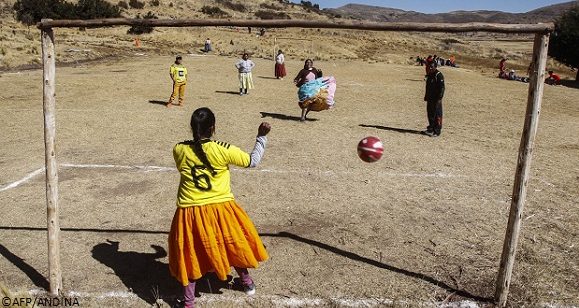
315	92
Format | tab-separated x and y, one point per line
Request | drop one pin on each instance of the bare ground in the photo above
422	226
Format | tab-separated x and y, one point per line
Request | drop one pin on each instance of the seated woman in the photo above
315	92
512	75
553	79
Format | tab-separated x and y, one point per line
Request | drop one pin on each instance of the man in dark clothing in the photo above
433	98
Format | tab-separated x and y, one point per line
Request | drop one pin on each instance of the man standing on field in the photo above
178	74
433	98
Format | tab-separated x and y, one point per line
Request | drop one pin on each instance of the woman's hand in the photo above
263	129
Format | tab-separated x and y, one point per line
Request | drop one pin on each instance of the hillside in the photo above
20	45
375	13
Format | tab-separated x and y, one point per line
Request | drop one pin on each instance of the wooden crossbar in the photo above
284	23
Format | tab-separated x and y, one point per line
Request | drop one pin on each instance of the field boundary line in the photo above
111	166
25	179
145	168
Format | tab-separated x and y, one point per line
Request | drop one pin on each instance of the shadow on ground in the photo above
150	279
357	257
395	129
158	102
36	277
140	272
570	84
284	117
227	92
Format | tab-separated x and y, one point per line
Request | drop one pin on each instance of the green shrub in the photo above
142	29
310	5
271	15
123	4
136	4
232	6
92	9
564	42
32	11
155	3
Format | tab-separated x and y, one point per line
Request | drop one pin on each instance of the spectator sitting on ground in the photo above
503	68
452	61
512	75
553	79
420	60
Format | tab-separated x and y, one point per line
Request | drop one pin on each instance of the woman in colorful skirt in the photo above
316	93
280	65
244	67
210	232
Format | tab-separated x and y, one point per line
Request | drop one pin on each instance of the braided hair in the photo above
202	122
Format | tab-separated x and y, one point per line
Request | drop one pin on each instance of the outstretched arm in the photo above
260	142
236	156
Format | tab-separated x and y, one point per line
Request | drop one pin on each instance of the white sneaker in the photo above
249	289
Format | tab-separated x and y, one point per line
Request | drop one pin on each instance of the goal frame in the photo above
522	173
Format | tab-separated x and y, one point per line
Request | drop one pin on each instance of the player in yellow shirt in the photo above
178	74
210	232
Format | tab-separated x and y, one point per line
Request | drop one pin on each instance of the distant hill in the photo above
375	13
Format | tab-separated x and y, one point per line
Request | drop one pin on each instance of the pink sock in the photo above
189	294
244	276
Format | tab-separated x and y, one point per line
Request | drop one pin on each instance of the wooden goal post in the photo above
522	174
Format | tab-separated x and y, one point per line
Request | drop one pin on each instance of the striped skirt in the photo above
212	238
245	81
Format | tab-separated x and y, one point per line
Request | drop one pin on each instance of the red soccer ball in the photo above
370	149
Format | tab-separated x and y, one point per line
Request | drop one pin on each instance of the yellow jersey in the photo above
197	185
178	73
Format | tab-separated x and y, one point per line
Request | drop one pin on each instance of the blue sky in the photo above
441	6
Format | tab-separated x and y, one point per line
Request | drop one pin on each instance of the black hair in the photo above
306	62
202	123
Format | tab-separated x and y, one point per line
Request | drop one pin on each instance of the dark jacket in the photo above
301	77
434	87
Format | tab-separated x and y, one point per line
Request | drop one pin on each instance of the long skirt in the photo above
280	70
245	81
212	238
318	94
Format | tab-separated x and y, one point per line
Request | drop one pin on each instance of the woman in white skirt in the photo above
244	67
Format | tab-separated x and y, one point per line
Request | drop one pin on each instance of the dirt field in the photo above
423	226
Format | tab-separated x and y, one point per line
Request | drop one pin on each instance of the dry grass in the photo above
383	230
20	47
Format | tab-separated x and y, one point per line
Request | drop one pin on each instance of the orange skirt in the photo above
316	103
212	238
